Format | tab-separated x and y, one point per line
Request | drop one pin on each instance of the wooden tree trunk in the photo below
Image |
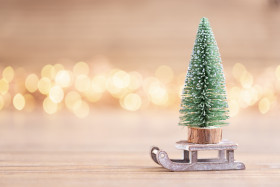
204	135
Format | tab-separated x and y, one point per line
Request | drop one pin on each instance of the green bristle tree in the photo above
204	101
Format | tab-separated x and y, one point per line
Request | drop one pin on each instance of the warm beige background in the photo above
136	34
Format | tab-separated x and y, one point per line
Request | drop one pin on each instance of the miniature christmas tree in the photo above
204	104
204	101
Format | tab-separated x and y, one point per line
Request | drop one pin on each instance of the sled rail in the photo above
190	162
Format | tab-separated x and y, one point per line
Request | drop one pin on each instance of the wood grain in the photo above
204	135
123	169
184	145
111	148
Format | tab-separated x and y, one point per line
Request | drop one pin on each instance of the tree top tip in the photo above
204	20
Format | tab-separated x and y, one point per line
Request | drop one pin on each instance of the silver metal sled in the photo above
190	162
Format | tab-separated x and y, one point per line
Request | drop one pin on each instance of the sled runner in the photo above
190	162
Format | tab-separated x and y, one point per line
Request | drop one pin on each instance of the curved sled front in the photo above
154	152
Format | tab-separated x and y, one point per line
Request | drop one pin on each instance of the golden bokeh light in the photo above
158	94
113	90
4	86
63	78
2	102
164	73
136	80
92	95
264	105
72	99
120	79
44	85
234	92
245	98
82	83
31	82
78	89
162	99
19	101
131	102
8	74
81	109
254	96
246	80
48	71
98	83
238	71
117	83
49	106
56	94
156	91
148	82
58	68
81	68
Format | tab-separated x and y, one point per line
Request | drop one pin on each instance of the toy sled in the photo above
190	162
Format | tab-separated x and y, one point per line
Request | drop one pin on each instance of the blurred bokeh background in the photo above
106	75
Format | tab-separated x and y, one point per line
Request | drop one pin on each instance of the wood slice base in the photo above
204	135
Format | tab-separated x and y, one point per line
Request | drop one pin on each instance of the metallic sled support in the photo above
225	161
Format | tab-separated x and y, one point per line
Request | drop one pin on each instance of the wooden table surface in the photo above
111	148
